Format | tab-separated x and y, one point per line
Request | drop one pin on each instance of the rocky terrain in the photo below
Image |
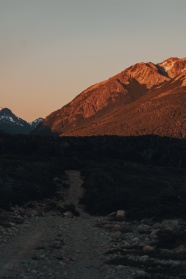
92	207
55	239
145	98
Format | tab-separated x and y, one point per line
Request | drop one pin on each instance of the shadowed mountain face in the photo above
143	99
12	124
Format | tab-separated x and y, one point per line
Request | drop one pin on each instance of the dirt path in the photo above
75	191
84	245
56	247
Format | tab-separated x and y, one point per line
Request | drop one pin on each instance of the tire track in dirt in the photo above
22	247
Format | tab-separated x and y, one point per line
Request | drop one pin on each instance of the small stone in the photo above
144	258
119	267
135	240
68	214
154	233
120	214
148	248
140	273
143	228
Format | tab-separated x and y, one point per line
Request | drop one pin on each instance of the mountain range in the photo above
145	98
12	124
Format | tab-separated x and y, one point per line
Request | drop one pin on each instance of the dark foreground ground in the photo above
144	176
52	239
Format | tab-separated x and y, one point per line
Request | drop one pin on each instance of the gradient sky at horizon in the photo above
51	50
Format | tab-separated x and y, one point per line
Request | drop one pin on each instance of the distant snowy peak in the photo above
7	116
10	123
36	122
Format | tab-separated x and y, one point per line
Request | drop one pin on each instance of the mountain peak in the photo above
36	122
12	124
145	98
5	111
147	73
174	66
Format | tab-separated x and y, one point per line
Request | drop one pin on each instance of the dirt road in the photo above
56	247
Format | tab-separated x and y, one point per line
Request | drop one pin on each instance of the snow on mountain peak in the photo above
36	122
169	63
174	66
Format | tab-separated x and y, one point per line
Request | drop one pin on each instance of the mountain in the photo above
36	122
10	123
145	98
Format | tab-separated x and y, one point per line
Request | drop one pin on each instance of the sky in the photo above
52	50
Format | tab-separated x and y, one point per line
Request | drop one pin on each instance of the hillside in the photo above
143	99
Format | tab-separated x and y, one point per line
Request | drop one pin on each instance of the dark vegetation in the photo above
143	175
